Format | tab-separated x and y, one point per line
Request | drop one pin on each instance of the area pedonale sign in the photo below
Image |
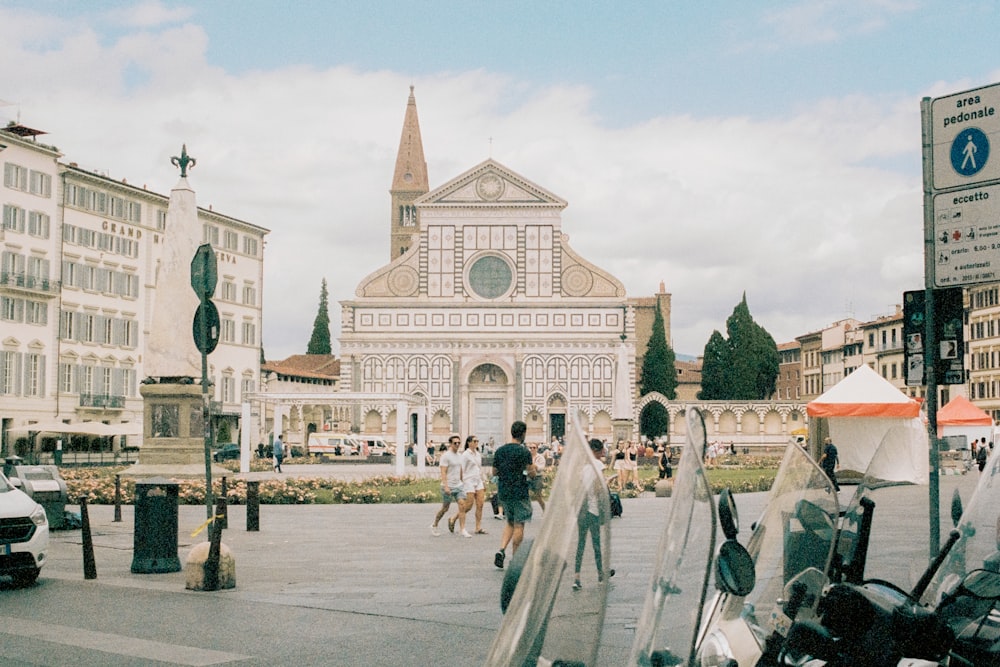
965	179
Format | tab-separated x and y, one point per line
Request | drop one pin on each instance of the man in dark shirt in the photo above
828	462
514	471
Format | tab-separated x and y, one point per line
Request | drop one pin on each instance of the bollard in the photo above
89	566
253	506
224	497
214	548
118	498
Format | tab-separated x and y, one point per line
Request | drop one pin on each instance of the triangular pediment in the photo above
490	184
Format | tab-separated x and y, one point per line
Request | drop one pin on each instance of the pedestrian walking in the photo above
538	483
514	470
829	461
278	451
472	480
663	463
981	455
591	517
450	463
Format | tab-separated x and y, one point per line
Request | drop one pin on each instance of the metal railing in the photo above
29	282
101	401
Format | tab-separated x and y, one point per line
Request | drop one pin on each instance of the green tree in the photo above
714	368
742	367
659	371
319	343
224	434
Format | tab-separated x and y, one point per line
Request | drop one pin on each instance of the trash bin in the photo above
155	543
45	486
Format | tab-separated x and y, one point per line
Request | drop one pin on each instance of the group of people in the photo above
462	483
626	464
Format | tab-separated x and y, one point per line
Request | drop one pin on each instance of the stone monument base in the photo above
194	567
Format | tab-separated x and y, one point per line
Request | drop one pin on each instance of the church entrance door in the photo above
487	420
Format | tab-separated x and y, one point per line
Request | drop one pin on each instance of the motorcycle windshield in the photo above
796	531
671	614
547	620
887	483
978	545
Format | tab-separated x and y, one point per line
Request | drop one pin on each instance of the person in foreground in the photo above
514	470
589	519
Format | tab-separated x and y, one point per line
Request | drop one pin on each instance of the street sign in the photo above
965	131
947	354
204	271
967	236
206	342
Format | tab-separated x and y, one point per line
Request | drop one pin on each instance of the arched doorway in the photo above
487	390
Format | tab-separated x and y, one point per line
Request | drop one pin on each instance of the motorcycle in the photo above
842	616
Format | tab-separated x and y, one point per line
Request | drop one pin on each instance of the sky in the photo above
725	148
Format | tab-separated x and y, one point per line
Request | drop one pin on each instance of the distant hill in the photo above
685	357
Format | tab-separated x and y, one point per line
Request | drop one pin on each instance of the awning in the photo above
80	428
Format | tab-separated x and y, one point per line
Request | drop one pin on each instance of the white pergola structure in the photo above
283	403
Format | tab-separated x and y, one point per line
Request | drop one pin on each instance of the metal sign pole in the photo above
930	342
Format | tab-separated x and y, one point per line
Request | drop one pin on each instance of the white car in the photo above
24	535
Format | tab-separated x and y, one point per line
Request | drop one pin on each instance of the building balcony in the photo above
102	401
23	282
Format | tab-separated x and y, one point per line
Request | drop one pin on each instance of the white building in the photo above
77	277
484	311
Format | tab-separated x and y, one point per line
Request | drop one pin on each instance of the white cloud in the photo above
795	211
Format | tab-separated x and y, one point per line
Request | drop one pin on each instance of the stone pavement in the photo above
379	589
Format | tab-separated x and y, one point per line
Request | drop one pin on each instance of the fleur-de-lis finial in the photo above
184	161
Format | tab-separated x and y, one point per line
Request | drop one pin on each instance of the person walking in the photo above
472	479
981	455
632	464
514	470
278	451
620	465
538	483
591	517
451	488
829	461
663	463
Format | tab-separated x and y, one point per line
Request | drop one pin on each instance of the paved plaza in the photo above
346	585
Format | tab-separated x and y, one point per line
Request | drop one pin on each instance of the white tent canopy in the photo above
861	410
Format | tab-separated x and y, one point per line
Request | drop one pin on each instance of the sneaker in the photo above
498	517
611	573
434	531
499	558
451	524
466	533
576	585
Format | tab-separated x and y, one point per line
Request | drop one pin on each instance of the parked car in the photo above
24	535
228	451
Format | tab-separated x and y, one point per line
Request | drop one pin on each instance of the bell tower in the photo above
409	181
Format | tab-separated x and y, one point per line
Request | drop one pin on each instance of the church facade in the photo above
485	312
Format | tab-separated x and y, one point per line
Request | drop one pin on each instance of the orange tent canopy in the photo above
961	412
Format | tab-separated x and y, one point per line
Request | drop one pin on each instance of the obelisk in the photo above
173	406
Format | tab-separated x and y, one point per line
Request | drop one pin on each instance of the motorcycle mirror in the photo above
513	573
956	507
982	584
734	569
729	518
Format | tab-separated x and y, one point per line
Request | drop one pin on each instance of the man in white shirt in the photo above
451	488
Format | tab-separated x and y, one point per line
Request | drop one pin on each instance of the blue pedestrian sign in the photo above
963	128
970	151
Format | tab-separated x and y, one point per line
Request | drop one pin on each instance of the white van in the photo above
375	445
333	444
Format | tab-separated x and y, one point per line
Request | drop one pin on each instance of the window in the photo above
37	313
13	218
249	333
211	235
161	219
38	224
230	240
228	389
8	372
32	375
228	291
228	333
40	184
249	246
65	378
249	295
11	309
15	176
246	387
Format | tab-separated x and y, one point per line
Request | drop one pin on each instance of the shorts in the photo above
473	485
517	511
452	496
620	465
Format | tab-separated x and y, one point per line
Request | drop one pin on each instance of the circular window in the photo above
490	277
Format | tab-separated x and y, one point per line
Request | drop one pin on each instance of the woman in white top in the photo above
472	477
538	483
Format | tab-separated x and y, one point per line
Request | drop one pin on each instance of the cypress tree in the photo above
319	343
743	367
659	373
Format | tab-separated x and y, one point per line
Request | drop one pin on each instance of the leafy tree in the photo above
659	372
654	420
224	434
742	367
714	369
320	341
